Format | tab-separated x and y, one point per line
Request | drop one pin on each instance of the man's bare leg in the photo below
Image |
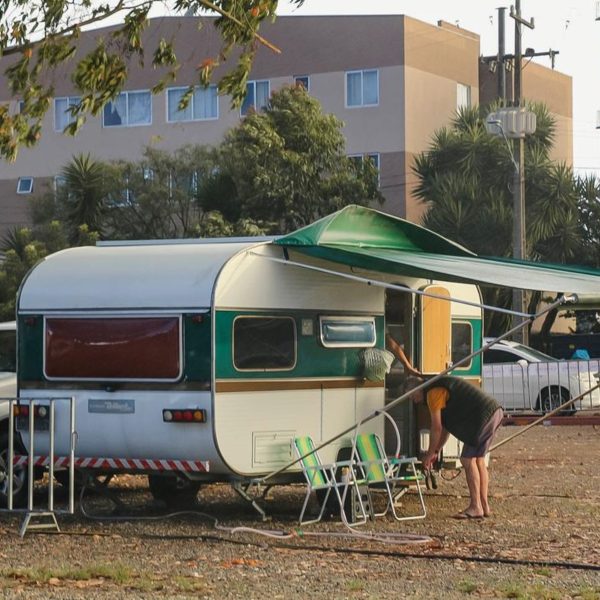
472	474
484	480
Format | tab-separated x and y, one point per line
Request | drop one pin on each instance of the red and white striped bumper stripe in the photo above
122	464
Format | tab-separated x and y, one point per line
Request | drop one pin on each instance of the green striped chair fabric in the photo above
383	473
323	478
310	462
370	455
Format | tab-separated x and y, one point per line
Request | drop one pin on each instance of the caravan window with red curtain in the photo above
113	348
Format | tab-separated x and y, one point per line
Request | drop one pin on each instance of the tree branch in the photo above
71	28
229	16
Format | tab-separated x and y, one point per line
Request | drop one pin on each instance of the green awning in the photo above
368	239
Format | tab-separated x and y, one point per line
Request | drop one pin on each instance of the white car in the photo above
524	379
8	363
8	389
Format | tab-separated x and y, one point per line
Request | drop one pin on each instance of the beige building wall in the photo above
14	208
555	90
541	84
437	59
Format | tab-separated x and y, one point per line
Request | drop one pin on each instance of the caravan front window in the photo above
113	348
264	343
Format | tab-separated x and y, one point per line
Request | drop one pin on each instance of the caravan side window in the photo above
462	343
347	332
264	343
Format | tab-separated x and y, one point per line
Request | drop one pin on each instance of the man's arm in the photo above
394	347
437	438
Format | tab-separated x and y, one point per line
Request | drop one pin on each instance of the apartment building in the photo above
391	79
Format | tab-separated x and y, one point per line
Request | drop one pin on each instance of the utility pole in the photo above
513	123
519	245
501	65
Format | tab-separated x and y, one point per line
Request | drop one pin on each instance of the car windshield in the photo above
533	355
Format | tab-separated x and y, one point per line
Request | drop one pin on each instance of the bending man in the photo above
472	416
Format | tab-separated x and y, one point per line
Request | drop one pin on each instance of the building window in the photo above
203	104
148	173
257	96
194	180
359	158
25	185
128	109
374	157
303	80
463	96
264	343
60	181
62	114
362	88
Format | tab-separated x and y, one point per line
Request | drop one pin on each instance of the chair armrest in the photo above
399	460
409	478
368	463
345	463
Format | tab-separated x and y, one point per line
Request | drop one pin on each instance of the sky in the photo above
568	26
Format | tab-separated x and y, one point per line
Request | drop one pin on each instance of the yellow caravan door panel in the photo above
436	330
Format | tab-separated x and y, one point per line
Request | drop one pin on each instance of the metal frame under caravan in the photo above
210	356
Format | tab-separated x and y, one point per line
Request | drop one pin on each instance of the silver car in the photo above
524	379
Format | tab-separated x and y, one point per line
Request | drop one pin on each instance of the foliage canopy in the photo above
288	165
466	179
38	37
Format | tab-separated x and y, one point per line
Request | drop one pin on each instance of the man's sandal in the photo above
464	516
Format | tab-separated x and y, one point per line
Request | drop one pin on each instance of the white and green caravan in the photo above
206	357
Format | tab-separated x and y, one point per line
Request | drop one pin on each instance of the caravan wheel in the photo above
173	489
19	476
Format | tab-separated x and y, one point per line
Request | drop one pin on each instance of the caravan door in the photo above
435	330
435	343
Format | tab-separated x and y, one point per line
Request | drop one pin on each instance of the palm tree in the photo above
588	191
81	195
16	239
465	178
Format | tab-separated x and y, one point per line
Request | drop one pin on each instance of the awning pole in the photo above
391	286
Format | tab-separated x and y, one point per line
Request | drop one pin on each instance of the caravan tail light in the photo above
23	410
184	415
41	416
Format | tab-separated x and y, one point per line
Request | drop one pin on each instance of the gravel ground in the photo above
545	493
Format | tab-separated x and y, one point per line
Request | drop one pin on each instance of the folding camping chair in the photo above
389	474
323	479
